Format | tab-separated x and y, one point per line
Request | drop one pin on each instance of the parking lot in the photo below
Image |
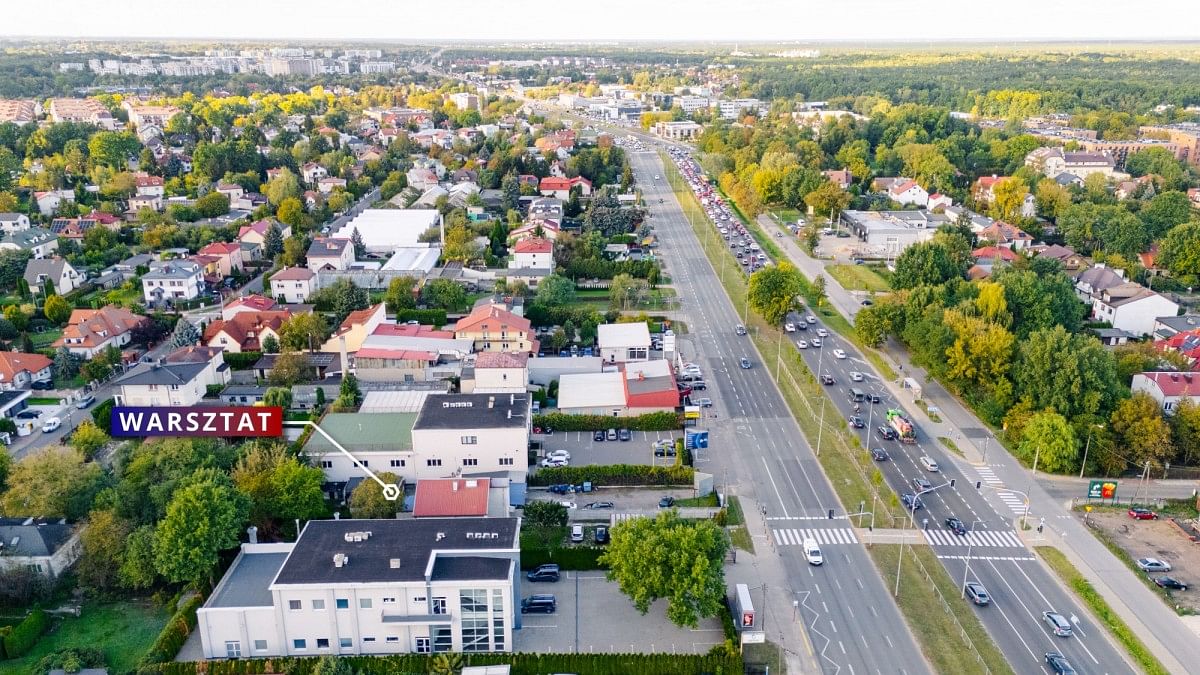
1155	539
593	616
624	500
586	451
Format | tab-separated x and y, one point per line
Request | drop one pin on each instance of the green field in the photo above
45	338
39	400
858	278
124	630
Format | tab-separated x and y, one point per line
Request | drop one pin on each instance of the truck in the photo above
904	428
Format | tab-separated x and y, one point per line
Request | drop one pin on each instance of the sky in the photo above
670	20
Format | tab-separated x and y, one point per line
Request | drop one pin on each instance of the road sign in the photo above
753	637
1102	489
695	439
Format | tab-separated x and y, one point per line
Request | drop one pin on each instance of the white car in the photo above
561	454
789	327
816	342
1148	564
569	504
839	354
855	376
552	462
51	424
812	552
811	319
821	332
801	344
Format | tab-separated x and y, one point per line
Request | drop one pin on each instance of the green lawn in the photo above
42	340
858	278
39	400
124	630
116	296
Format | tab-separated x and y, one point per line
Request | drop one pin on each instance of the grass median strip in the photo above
1117	628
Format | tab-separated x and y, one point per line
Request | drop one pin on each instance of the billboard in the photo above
1102	489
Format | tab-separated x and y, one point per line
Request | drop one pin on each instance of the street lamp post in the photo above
1087	447
970	544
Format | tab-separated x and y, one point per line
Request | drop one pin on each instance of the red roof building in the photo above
992	252
408	330
452	497
533	245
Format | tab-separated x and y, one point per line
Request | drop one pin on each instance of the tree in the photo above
203	519
290	368
88	438
103	544
349	395
367	500
545	515
773	291
1073	374
279	486
270	344
278	396
1051	439
926	263
827	199
981	353
283	186
669	557
17	317
625	292
272	241
360	248
138	570
1164	212
399	295
294	250
66	365
1179	251
346	297
1051	198
57	310
212	205
1008	198
301	332
461	244
184	335
444	294
556	291
53	481
291	212
1141	430
332	665
112	149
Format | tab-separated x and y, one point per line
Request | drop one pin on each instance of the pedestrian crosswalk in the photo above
796	536
1014	501
988	476
976	538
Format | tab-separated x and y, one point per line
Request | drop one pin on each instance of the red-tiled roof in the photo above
246	328
405	330
485	313
88	324
12	363
533	245
293	274
448	497
500	360
148	181
990	252
256	302
399	354
1175	384
220	248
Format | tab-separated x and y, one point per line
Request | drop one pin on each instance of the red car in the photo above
1142	514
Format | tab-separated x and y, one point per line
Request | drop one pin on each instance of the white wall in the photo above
489	447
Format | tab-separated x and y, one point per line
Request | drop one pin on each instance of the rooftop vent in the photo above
394	563
341	560
472	483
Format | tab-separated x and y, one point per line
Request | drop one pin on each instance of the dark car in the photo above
599	435
956	526
29	414
699	385
598	505
42	385
666	502
1059	664
875	398
624	435
534	604
911	501
827	379
601	535
867	302
1138	513
561	489
978	594
878	454
888	433
1171	583
547	572
857	422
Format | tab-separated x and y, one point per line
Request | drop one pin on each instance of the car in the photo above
547	572
875	398
51	424
1059	664
867	302
812	552
956	526
857	422
922	484
801	344
29	414
599	505
789	327
739	329
561	489
1138	513
626	435
569	504
810	318
827	379
816	342
599	435
911	502
543	604
802	326
42	385
552	462
611	435
684	390
563	454
821	332
839	354
86	401
576	534
888	433
1170	582
704	402
878	454
1148	564
744	363
698	385
930	465
855	376
666	502
1058	623
601	535
978	594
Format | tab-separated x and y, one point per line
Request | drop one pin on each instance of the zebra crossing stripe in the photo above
796	537
980	538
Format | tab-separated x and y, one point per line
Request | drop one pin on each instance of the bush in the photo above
567	557
25	634
613	475
84	657
427	317
174	634
658	421
102	415
242	360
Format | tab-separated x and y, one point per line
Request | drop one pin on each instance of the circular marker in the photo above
391	492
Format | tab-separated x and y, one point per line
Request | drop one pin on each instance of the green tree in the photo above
278	396
1185	432
1179	251
332	665
444	294
926	263
17	317
103	543
57	310
1141	430
203	519
773	290
399	294
669	557
1164	212
88	438
1051	439
347	297
349	395
66	365
1051	198
291	212
279	486
282	187
212	205
367	500
270	344
112	148
545	515
272	241
556	291
827	199
302	332
185	334
138	569
53	481
1009	196
625	292
290	368
360	248
1073	374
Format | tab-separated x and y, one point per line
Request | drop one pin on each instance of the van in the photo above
542	603
51	424
812	552
856	395
930	465
576	534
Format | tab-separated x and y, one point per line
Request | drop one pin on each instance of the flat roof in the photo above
611	335
591	390
474	411
413	258
393	401
388	229
248	583
370	431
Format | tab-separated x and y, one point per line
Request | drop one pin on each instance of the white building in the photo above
678	131
385	230
172	281
497	373
731	109
169	384
890	232
331	253
13	222
40	242
55	270
621	342
1169	389
532	253
293	284
1131	307
370	587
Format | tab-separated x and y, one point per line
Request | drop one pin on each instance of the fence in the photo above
949	611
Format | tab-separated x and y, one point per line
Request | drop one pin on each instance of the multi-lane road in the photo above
844	605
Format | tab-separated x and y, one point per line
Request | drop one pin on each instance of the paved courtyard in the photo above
585	451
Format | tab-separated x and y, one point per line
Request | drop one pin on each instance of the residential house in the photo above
161	385
902	190
993	253
245	331
1009	236
293	285
495	330
49	201
532	253
560	188
622	342
1070	260
171	281
454	585
840	177
243	394
938	200
1095	279
55	270
1168	388
228	255
1131	307
1054	161
328	185
496	373
18	371
543	229
421	179
319	365
355	328
48	547
40	242
256	232
90	331
139	202
312	172
13	222
216	372
330	253
149	186
248	303
1167	326
231	190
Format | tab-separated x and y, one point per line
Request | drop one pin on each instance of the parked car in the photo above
704	402
1059	664
576	534
956	526
42	385
552	462
601	535
561	454
625	434
1058	623
1138	513
878	454
598	505
561	489
1171	583
547	572
29	414
598	436
85	401
611	435
978	594
1151	564
666	502
569	504
51	424
539	604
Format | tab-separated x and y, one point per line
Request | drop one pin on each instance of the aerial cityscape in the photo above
335	340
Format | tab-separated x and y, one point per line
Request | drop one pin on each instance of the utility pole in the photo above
970	544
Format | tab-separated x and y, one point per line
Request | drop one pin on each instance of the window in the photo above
443	639
419	598
345	643
439	605
422	645
260	645
475	634
319	605
397	462
433	462
368	639
293	605
300	645
322	643
389	601
506	461
342	603
469	440
364	603
326	464
233	649
470	462
393	638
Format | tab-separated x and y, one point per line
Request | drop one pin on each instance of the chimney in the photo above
252	534
337	515
510	414
491	402
454	486
342	352
341	560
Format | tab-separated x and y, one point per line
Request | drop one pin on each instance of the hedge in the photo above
242	360
174	634
25	634
427	317
102	415
521	663
567	557
657	421
613	475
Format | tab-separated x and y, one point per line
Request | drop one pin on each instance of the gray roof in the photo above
174	269
134	261
327	248
50	268
9	217
30	537
244	390
409	542
248	583
473	411
468	568
27	239
171	373
1178	324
